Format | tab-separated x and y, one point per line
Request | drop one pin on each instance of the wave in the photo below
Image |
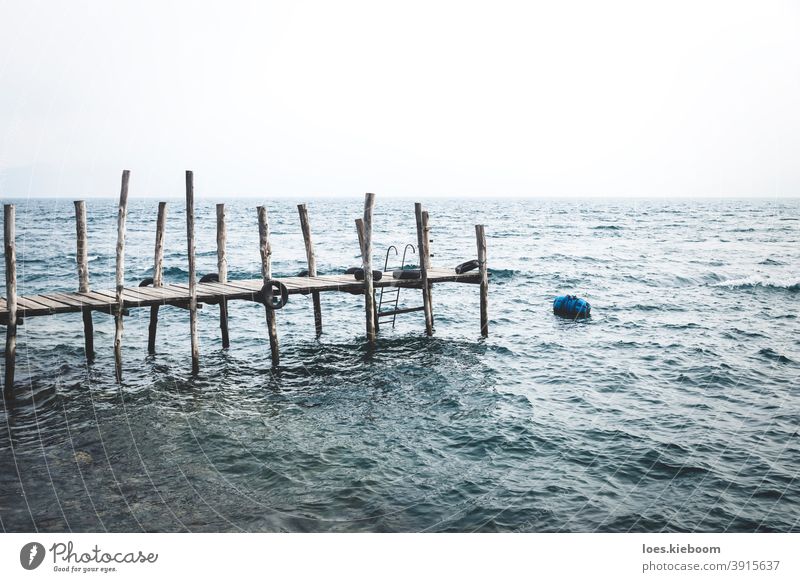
503	274
173	271
759	281
775	356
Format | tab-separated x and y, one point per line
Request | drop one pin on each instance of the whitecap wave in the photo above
760	281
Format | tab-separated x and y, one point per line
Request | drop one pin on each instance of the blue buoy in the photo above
571	307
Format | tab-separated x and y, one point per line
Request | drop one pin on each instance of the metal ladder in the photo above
394	292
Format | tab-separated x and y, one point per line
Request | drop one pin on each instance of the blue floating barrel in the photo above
571	306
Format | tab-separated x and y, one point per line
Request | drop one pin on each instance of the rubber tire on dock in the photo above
210	278
359	275
406	274
268	297
467	266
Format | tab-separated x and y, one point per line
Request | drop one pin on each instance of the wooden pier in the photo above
271	292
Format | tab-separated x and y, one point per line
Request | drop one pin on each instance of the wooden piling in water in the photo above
426	256
158	273
222	273
305	226
192	274
369	296
480	237
424	265
122	216
361	238
266	273
9	236
82	259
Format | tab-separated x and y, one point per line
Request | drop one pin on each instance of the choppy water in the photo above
676	407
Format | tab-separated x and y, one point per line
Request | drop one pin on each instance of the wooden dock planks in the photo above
55	302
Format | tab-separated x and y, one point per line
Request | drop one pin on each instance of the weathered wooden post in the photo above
480	237
361	239
266	273
9	235
424	265
222	272
305	225
192	274
158	273
122	216
360	232
426	257
369	297
82	258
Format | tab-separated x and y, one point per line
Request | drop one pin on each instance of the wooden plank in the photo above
266	274
215	292
160	296
250	286
53	305
81	301
158	274
122	216
10	251
480	237
169	292
82	259
147	293
222	273
138	296
192	273
202	294
305	226
108	298
30	304
218	289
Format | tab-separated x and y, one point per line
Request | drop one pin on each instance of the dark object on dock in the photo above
211	278
571	307
467	267
359	275
406	274
213	288
303	273
274	294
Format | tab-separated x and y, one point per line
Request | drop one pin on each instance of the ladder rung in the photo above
399	311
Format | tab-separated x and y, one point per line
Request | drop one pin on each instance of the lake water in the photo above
676	407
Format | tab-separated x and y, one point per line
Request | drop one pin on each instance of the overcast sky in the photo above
400	98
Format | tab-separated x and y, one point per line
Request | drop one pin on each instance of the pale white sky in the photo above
301	98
